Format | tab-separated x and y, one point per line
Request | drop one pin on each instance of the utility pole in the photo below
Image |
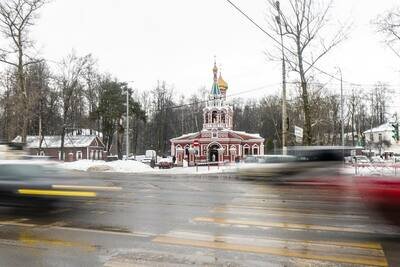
341	106
127	123
285	124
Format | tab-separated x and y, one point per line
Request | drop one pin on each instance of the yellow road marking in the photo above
86	187
314	196
286	213
235	238
364	260
307	211
58	226
56	193
281	225
31	240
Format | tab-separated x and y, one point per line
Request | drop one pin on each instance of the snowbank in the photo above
198	170
112	166
131	166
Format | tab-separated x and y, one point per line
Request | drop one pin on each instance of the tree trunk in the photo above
120	139
62	143
307	137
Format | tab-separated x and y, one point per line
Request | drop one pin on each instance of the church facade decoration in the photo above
217	141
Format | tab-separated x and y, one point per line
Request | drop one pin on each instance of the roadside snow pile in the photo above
198	170
112	166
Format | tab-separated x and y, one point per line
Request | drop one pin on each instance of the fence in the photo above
377	169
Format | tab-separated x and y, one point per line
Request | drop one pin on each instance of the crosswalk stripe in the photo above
289	201
364	260
369	246
287	213
309	196
282	225
305	211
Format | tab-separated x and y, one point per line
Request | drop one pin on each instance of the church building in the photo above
217	141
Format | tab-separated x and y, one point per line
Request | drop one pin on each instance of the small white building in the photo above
384	130
382	135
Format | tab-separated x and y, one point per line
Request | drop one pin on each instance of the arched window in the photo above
246	150
206	117
223	117
255	149
214	116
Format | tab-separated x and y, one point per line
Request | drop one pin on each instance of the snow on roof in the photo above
54	141
84	131
185	135
253	135
386	127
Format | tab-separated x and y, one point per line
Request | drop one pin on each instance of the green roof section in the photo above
215	89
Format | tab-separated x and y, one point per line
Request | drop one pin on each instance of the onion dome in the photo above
215	88
215	91
223	86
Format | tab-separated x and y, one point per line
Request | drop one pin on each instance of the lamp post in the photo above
285	124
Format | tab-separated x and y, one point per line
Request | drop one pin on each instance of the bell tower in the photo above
217	114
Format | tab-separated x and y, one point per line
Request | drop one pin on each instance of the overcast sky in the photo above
176	41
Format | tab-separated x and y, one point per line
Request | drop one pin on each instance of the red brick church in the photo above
217	142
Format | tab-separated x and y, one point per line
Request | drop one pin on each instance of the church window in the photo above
214	116
255	149
246	150
223	117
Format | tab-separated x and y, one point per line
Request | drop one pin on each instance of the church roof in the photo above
231	134
215	89
223	86
187	136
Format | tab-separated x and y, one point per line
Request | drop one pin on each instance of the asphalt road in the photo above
216	220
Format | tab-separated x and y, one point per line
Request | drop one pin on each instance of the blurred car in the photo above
382	194
165	163
41	183
112	158
146	160
316	161
360	159
266	165
377	160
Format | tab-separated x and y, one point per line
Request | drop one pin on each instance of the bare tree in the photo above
70	86
303	22
389	25
16	18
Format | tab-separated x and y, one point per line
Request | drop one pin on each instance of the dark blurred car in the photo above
112	158
165	163
40	183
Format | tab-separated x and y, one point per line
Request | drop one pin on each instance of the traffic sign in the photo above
196	142
298	132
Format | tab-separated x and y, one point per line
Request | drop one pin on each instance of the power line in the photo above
278	42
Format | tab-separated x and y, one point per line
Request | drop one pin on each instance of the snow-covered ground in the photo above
131	166
112	166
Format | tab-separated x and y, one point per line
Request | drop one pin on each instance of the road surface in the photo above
204	220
